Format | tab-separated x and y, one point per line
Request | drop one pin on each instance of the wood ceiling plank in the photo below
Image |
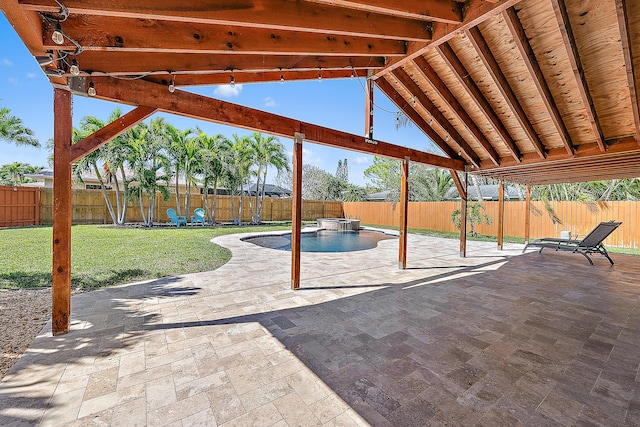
568	39
181	80
623	24
107	33
446	11
526	51
141	92
463	76
479	43
395	97
441	88
475	12
274	14
405	80
136	63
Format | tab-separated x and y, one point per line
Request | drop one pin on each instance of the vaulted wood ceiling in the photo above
530	91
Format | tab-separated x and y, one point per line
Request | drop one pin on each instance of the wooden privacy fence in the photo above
19	206
576	217
89	207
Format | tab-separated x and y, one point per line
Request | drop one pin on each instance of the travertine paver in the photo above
497	338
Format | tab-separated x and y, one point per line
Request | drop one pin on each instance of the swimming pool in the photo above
323	241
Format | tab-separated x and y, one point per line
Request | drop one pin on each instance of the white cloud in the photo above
31	75
226	91
361	160
269	102
6	62
308	157
13	81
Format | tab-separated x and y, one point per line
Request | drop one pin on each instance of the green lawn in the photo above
104	256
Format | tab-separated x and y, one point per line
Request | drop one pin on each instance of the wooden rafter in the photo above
529	58
462	191
273	14
623	24
482	48
407	108
562	17
107	33
475	12
108	132
140	92
136	63
441	88
446	11
405	80
283	76
463	76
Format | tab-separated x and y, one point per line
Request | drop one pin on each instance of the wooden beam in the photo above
140	92
464	77
526	51
478	41
106	33
395	97
405	80
284	76
112	130
475	12
527	215
463	217
441	88
368	109
462	191
140	63
562	17
404	210
625	39
62	213
296	210
500	215
446	11
272	14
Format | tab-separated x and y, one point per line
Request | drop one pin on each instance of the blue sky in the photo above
337	104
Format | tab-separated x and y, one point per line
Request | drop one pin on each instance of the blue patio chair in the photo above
175	218
197	217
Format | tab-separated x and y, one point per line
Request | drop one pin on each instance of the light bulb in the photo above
319	74
92	89
232	83
172	86
57	36
281	78
75	68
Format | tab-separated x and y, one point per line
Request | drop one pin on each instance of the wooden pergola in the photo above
525	91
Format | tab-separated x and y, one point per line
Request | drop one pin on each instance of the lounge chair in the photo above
197	217
590	244
175	218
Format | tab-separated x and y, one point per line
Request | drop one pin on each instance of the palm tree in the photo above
268	151
14	174
13	130
175	144
238	166
213	149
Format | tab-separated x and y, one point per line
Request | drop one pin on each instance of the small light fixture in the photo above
57	36
172	85
92	89
232	83
281	76
353	72
319	74
75	68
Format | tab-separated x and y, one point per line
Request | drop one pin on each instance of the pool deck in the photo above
497	338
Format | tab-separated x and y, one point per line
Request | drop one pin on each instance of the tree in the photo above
266	151
213	151
475	216
342	171
238	166
13	130
175	142
14	174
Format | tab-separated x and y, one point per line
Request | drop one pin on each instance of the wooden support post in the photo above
296	211
368	105
463	218
500	214
61	262
527	215
404	209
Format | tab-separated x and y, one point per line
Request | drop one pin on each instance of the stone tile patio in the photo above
497	338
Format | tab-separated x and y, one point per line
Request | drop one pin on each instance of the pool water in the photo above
324	241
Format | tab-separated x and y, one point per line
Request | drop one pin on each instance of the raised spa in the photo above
339	224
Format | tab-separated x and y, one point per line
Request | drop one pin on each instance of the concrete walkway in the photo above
492	339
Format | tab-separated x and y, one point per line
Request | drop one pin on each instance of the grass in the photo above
105	256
